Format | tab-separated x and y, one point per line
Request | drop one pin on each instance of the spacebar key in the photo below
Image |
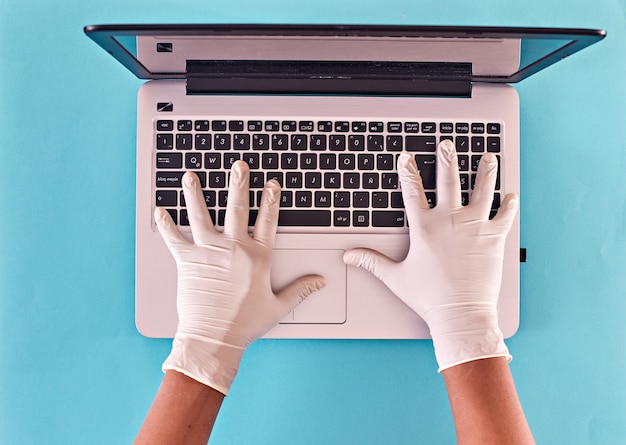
298	218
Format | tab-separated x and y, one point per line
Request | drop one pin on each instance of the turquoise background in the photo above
73	369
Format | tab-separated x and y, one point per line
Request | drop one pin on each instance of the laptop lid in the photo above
338	59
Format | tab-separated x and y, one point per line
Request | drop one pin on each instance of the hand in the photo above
452	273
225	300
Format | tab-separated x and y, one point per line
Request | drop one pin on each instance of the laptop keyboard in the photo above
333	173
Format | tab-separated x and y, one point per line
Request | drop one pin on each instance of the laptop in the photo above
324	109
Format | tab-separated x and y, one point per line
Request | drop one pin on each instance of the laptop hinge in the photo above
323	77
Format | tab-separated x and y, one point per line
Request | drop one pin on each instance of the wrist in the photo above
463	333
210	362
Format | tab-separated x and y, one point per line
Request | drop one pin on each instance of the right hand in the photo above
452	273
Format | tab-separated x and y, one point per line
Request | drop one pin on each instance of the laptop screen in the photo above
483	54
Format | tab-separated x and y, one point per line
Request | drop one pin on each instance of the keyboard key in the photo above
360	200
235	125
318	142
493	128
365	162
165	141
397	202
260	142
346	161
230	158
394	127
241	142
341	199
462	127
411	127
304	199
308	161
332	180
370	181
286	198
183	141
341	218
478	128
253	160
359	127
218	125
217	180
389	181
255	126
446	127
312	180
277	176
298	218
299	142
394	143
351	180
462	144
375	142
478	144
328	162
427	165
184	125
202	141
212	161
356	142
322	199
288	161
169	160
193	161
342	126
380	200
269	160
387	218
280	142
289	126
384	162
429	127
337	142
306	126
272	126
376	127
221	141
493	144
165	125
325	126
420	143
360	218
174	178
166	198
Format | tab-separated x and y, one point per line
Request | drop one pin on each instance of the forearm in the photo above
183	412
485	404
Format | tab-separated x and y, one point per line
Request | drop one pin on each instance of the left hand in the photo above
225	300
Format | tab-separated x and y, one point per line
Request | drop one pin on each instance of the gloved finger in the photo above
506	213
412	188
238	204
199	218
482	196
373	261
267	219
168	230
298	290
448	182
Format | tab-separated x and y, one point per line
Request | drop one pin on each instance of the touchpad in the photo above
327	305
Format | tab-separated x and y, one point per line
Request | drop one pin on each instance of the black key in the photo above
356	142
235	125
493	144
420	143
173	179
342	126
376	127
351	180
411	127
209	197
387	218
337	142
360	218
253	160
446	127
169	160
463	163
465	181
241	142
165	125
257	180
322	199
313	180
428	168
217	180
478	128
260	142
462	127
328	161
346	162
165	141
289	126
174	214
429	127
221	141
389	181
286	198
212	161
280	142
396	200
394	143
332	180
493	128
184	218
183	141
230	158
304	199
299	142
272	126
288	161
359	127
394	127
201	125
325	126
278	176
166	198
298	218
203	141
431	197
306	126
375	142
255	126
341	199
193	161
318	142
384	162
462	144
218	125
380	200
222	198
341	218
308	161
365	162
294	180
370	181
446	138
361	200
475	162
478	143
184	125
465	198
269	160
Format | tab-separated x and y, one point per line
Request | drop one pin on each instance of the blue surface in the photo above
74	370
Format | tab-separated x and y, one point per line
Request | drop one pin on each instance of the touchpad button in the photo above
327	305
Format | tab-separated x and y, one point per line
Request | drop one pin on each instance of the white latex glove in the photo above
225	300
452	273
